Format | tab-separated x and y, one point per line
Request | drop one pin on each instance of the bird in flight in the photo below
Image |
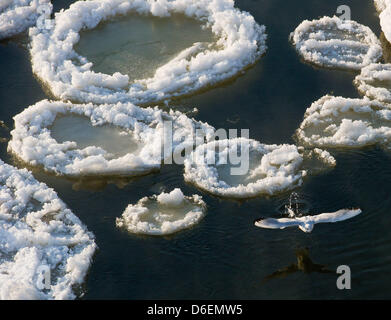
306	223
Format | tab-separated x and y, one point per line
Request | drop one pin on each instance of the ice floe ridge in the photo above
32	140
18	15
37	229
384	8
375	82
163	214
336	43
240	41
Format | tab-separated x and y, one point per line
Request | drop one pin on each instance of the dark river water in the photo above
226	256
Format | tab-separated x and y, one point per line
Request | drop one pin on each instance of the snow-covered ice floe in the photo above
306	223
336	43
163	214
384	8
244	168
18	15
343	122
86	139
240	42
37	229
375	82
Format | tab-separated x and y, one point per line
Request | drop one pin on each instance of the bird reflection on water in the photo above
304	264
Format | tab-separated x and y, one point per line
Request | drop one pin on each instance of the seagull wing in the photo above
339	215
271	223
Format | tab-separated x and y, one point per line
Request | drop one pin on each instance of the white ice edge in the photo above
384	8
36	229
279	168
374	81
345	122
318	42
325	158
18	15
69	76
173	212
32	141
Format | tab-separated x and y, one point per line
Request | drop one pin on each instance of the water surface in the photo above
225	256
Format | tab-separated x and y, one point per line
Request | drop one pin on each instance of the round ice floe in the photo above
39	233
240	41
243	168
17	15
384	7
336	43
163	214
121	139
342	122
375	82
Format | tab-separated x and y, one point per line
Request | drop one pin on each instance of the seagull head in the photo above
257	222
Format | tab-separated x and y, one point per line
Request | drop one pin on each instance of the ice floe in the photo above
240	42
374	81
163	214
316	160
344	122
86	140
36	230
244	168
336	43
384	8
18	15
324	156
306	223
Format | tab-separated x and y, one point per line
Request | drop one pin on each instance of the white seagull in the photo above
307	223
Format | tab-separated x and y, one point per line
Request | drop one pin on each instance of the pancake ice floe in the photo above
335	43
105	140
344	122
18	15
384	8
37	229
240	41
163	214
374	81
244	168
